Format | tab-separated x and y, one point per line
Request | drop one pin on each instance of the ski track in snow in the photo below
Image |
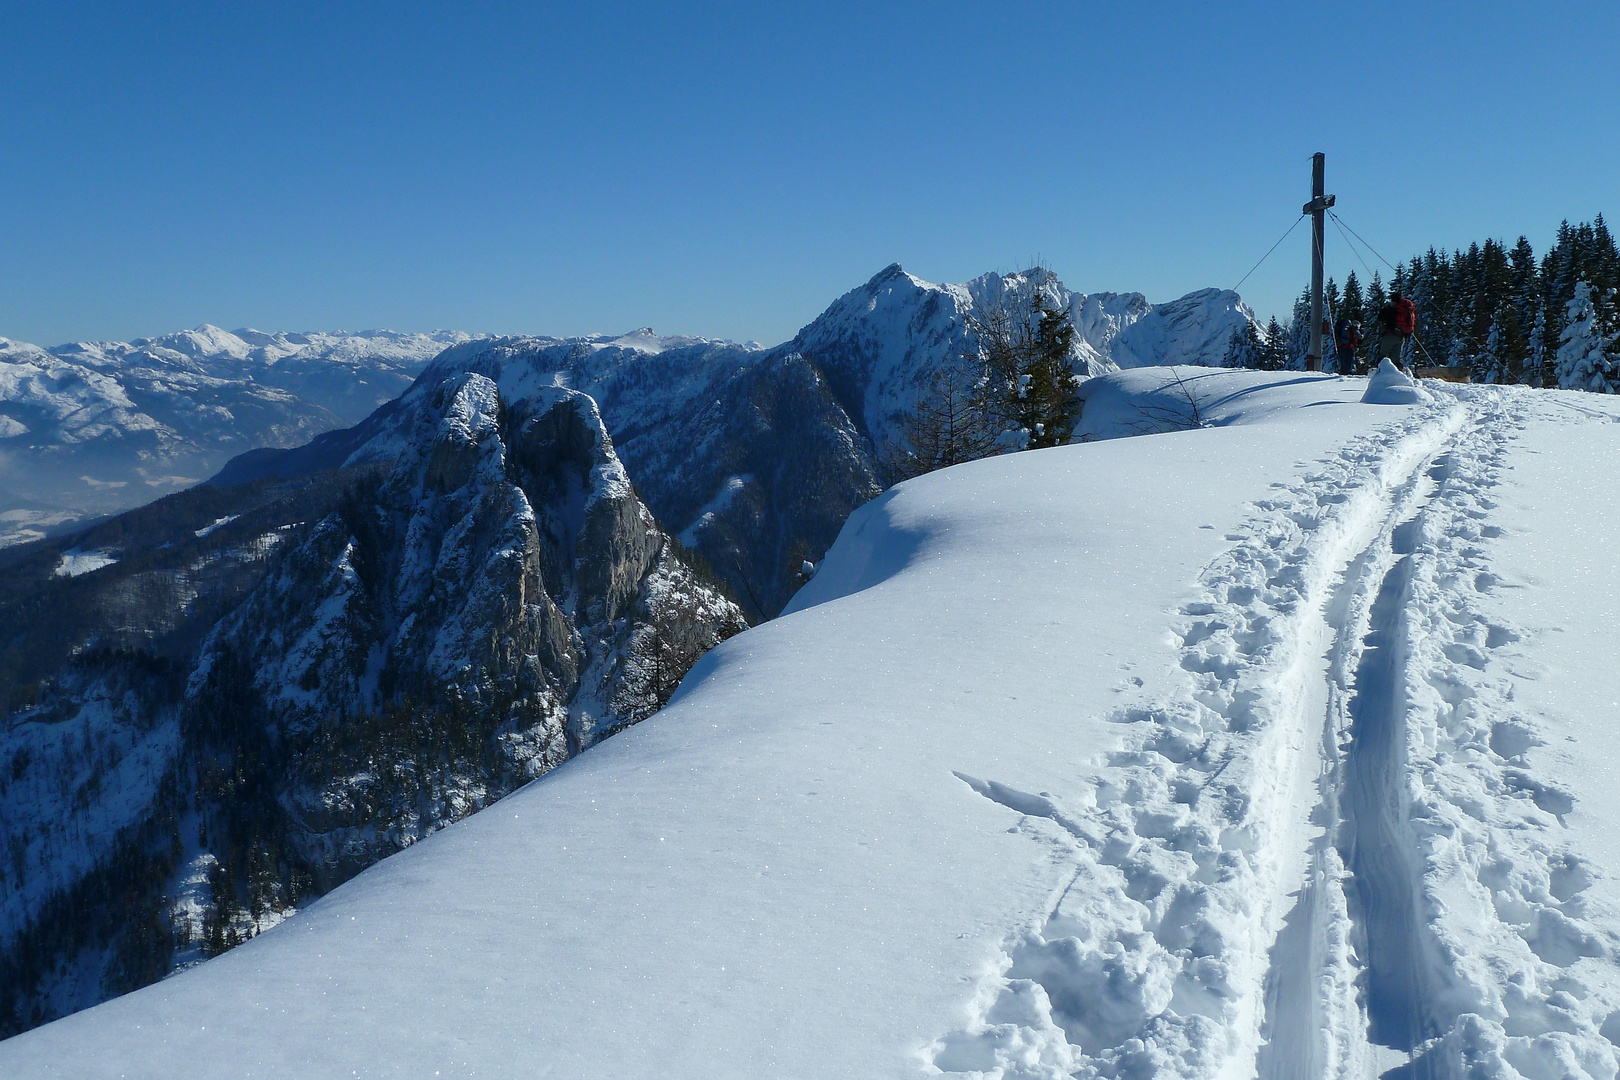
1328	857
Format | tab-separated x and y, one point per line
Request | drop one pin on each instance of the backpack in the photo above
1347	335
1405	316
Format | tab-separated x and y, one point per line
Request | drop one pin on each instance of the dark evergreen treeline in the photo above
1499	311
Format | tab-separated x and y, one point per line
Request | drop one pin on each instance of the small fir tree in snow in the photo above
1029	367
1586	350
1535	367
1053	388
1244	349
1274	352
950	423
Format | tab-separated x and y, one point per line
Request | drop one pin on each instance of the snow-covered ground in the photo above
1277	745
75	562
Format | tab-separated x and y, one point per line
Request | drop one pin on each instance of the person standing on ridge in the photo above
1396	322
1346	340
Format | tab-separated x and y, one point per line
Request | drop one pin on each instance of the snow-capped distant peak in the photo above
646	340
642	339
206	340
19	352
141	416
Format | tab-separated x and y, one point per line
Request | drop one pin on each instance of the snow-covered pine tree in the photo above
1052	382
1299	333
1486	285
1535	366
1353	308
1027	349
1506	349
1428	286
1522	259
1274	355
1244	349
1605	269
1495	278
1526	301
1586	350
1569	260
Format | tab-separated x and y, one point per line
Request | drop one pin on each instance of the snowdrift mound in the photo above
1389	385
1156	400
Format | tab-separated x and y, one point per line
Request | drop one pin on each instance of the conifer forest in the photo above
1499	311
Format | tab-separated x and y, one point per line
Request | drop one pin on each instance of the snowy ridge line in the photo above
1508	978
1152	958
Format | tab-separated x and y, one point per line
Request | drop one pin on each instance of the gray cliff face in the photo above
433	628
756	471
754	457
504	567
745	455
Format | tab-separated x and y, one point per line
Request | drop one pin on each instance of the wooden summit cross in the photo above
1317	208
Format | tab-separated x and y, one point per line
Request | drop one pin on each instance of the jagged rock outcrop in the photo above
754	457
745	455
478	596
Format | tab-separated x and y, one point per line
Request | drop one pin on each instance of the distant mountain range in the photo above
92	428
221	705
754	457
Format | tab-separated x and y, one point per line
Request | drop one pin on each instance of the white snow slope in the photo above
1278	746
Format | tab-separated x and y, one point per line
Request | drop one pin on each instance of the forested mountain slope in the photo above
224	716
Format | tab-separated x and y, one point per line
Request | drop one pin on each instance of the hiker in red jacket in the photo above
1396	322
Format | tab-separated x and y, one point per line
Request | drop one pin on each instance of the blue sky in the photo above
730	169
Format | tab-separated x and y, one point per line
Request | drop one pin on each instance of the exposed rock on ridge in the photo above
755	457
487	597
